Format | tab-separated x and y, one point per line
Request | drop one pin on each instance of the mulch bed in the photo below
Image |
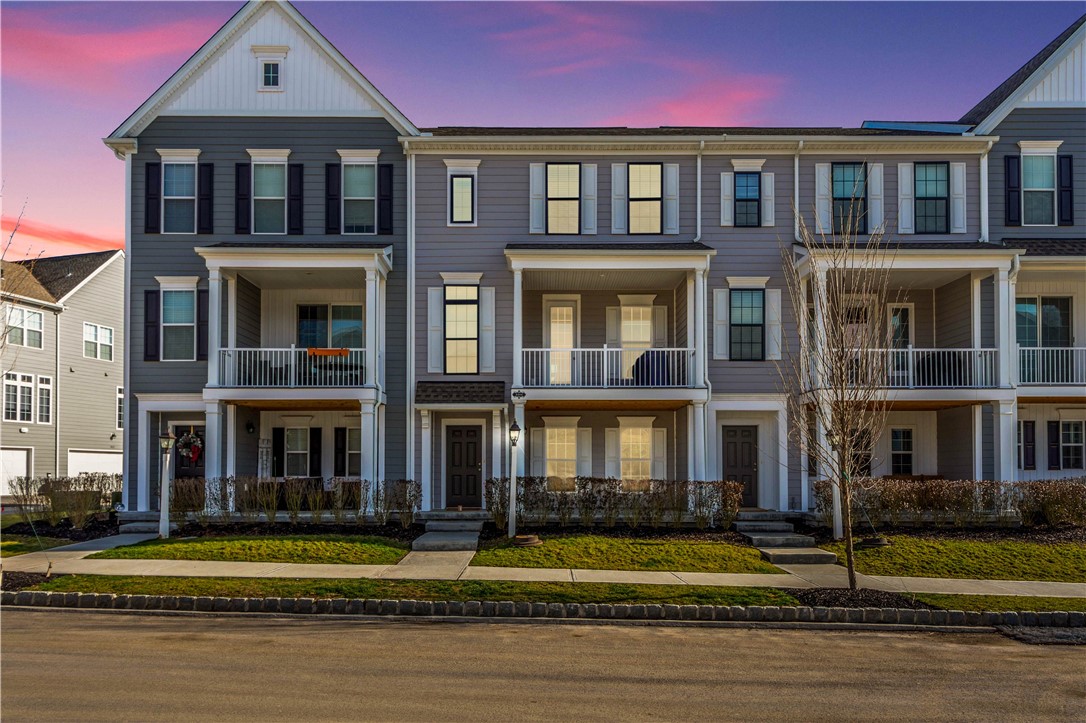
94	529
833	597
16	581
283	529
1044	535
662	534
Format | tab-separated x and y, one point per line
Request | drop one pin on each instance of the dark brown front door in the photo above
192	465
463	467
741	460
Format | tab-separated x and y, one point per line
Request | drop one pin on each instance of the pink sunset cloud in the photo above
738	100
33	238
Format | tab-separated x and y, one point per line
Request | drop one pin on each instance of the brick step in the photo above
454	526
446	542
798	556
758	526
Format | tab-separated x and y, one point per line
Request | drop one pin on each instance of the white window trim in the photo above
176	283
268	161
179	157
20	382
1041	148
1081	445
343	198
890	448
461	278
462	167
98	341
349	452
625	423
270	54
25	310
574	300
119	421
747	282
43	384
748	165
560	423
287	453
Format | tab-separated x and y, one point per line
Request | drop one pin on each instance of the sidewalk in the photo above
71	559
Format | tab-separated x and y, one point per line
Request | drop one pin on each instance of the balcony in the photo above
1051	365
291	368
912	368
607	368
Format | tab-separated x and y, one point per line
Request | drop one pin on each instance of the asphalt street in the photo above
87	666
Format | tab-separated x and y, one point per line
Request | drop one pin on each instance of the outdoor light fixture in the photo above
514	434
250	428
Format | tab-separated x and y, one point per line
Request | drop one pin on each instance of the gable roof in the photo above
151	107
992	102
60	276
18	281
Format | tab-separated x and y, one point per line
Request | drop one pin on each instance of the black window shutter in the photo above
315	451
1054	445
1066	191
243	184
150	325
295	177
152	197
205	198
202	317
331	198
1012	197
279	449
339	459
1029	445
384	198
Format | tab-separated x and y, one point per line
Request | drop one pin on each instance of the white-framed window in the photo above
331	326
359	198
97	342
901	451
18	397
45	400
25	327
635	453
297	451
270	60
270	198
1072	444
178	324
563	198
120	407
179	198
461	329
645	204
354	452
1039	182
463	205
561	456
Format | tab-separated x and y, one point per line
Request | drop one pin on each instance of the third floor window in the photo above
564	198
849	198
646	198
932	197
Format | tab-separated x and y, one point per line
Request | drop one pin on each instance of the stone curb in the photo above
509	609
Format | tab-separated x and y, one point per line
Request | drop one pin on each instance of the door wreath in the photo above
189	445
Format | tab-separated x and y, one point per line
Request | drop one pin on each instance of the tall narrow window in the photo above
179	198
461	199
178	325
562	330
1038	190
97	342
747	319
849	198
564	198
636	453
748	207
461	329
25	327
354	452
646	199
18	397
270	198
347	328
1071	445
901	451
1027	444
636	336
360	198
297	451
932	197
120	407
561	457
45	400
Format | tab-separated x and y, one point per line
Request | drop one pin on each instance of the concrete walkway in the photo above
72	559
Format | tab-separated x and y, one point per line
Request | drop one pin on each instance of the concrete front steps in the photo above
451	531
777	540
137	522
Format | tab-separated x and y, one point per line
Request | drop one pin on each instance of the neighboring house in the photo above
62	363
326	290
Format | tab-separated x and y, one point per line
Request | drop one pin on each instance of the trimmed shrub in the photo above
315	499
1055	502
294	490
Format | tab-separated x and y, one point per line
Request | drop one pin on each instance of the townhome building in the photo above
326	290
62	359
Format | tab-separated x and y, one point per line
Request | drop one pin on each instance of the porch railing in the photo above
912	368
1052	365
293	367
607	368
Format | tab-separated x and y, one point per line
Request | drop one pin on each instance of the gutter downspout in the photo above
56	401
984	193
795	192
409	462
126	448
701	149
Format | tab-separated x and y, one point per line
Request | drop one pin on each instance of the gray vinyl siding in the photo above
39	438
953	314
1037	124
987	313
954	452
87	396
987	433
223	141
248	314
246	445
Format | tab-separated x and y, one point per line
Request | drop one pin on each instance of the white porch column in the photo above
978	441
1003	327
369	443
518	412
518	333
698	440
372	309
232	311
1005	439
231	439
699	346
214	325
213	441
782	457
691	315
427	459
496	431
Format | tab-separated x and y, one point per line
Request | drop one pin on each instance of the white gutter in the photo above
795	192
409	462
56	402
984	193
701	149
126	453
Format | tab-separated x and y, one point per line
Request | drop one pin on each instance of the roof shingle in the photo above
61	274
460	393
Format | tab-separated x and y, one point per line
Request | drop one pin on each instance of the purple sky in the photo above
71	72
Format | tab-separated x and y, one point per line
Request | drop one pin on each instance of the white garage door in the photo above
105	462
14	463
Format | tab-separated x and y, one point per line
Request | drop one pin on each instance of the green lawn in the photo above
12	545
1007	560
593	552
332	549
999	603
583	592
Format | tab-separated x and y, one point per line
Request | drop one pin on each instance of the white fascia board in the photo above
118	254
295	258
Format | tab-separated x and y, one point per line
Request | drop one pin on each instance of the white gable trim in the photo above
118	254
1016	98
149	110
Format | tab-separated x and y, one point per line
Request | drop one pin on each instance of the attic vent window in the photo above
269	64
271	75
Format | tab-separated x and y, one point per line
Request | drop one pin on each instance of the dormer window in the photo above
269	64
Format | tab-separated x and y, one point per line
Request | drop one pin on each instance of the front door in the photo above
463	466
741	460
193	464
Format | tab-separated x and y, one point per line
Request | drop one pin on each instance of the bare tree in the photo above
836	385
16	278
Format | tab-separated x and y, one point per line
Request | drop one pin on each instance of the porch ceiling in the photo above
603	405
305	278
922	278
602	280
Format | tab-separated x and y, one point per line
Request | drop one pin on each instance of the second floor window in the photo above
360	198
178	198
25	327
932	197
336	326
849	198
747	319
564	198
270	198
1043	321
1038	190
462	199
461	329
45	400
178	325
97	342
748	210
646	198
